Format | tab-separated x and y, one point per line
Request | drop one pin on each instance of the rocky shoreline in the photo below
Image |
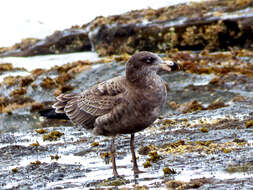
204	138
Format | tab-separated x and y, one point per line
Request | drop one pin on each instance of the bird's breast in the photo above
148	102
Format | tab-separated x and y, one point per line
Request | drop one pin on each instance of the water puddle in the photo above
48	61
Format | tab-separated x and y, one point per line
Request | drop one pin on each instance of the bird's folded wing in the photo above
102	98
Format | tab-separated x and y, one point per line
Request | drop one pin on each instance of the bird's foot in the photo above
137	171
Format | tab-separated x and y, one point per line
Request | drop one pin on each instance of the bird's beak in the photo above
169	66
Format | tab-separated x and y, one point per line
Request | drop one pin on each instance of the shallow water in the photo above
48	61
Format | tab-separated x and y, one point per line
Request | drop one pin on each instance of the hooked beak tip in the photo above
170	66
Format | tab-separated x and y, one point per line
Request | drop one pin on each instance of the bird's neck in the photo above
143	80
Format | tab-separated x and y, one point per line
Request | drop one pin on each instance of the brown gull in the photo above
121	105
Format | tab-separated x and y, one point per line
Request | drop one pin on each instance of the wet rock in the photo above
19	151
185	27
196	106
48	83
25	81
24	44
114	182
173	184
36	106
37	173
18	92
63	89
7	139
241	168
183	33
178	32
5	67
192	184
10	80
17	101
190	107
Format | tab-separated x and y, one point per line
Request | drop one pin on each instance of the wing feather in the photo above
101	99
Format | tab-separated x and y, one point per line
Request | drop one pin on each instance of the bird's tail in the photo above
51	114
57	110
62	101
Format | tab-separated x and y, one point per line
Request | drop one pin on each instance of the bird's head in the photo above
144	63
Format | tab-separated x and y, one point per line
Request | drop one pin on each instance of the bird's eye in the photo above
148	60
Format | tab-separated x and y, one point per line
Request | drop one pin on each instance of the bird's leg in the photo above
135	166
114	167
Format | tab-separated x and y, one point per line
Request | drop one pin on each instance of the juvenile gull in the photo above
121	105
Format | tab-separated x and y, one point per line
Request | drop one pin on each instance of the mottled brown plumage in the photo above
121	105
